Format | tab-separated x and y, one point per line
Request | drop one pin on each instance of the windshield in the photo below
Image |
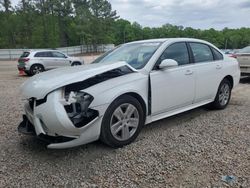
136	54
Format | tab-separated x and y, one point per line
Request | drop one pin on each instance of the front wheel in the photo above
76	64
223	95
122	121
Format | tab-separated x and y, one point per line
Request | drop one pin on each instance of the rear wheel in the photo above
122	122
36	69
28	73
223	95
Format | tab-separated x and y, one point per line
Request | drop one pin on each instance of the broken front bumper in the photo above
50	120
25	127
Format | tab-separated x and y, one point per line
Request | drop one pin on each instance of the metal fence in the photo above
11	54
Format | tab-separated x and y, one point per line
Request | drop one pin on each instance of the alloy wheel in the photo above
37	69
124	122
224	94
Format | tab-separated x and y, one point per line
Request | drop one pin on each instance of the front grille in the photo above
31	103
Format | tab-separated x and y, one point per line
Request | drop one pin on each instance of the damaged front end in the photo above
76	104
59	107
62	119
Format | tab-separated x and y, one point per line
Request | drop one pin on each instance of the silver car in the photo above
243	57
34	62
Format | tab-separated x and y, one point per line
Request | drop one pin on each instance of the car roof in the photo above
42	50
161	40
45	50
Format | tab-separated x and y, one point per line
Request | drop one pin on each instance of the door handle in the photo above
188	72
218	66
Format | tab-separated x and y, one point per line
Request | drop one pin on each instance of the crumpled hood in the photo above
40	85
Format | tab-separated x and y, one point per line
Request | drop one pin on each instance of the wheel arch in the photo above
37	64
230	79
140	100
76	62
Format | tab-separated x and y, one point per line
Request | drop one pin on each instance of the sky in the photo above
202	14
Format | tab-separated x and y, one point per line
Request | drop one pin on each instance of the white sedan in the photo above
243	57
135	84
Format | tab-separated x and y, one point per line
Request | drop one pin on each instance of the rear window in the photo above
25	54
43	54
217	54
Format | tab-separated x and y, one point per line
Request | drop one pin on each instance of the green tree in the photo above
6	5
54	23
101	21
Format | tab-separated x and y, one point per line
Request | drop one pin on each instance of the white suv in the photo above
34	62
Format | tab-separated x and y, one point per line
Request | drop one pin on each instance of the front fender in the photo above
106	92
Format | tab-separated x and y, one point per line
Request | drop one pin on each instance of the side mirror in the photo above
168	63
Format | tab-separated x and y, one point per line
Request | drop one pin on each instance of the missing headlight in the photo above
76	106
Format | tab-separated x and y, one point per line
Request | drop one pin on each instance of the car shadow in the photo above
174	120
38	148
245	80
97	149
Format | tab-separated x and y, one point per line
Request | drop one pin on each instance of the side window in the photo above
39	54
201	52
178	52
58	55
49	54
43	54
217	54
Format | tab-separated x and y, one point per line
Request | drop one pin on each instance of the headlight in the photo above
76	104
79	97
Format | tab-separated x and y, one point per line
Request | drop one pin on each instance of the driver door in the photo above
173	88
60	60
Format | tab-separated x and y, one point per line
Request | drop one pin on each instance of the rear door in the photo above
45	58
208	69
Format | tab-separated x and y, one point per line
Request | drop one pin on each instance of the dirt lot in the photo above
193	149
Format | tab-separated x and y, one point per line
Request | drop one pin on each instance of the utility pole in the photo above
226	44
124	36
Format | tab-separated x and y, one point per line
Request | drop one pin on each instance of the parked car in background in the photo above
34	62
229	52
134	84
243	57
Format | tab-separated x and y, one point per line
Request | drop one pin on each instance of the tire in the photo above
128	127
36	69
76	64
223	95
28	73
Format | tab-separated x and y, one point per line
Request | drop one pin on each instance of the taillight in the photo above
233	55
26	59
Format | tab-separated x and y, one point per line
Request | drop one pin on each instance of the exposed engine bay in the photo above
76	105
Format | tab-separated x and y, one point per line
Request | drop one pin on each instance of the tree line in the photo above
59	23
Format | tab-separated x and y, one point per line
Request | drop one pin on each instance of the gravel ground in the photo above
193	149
